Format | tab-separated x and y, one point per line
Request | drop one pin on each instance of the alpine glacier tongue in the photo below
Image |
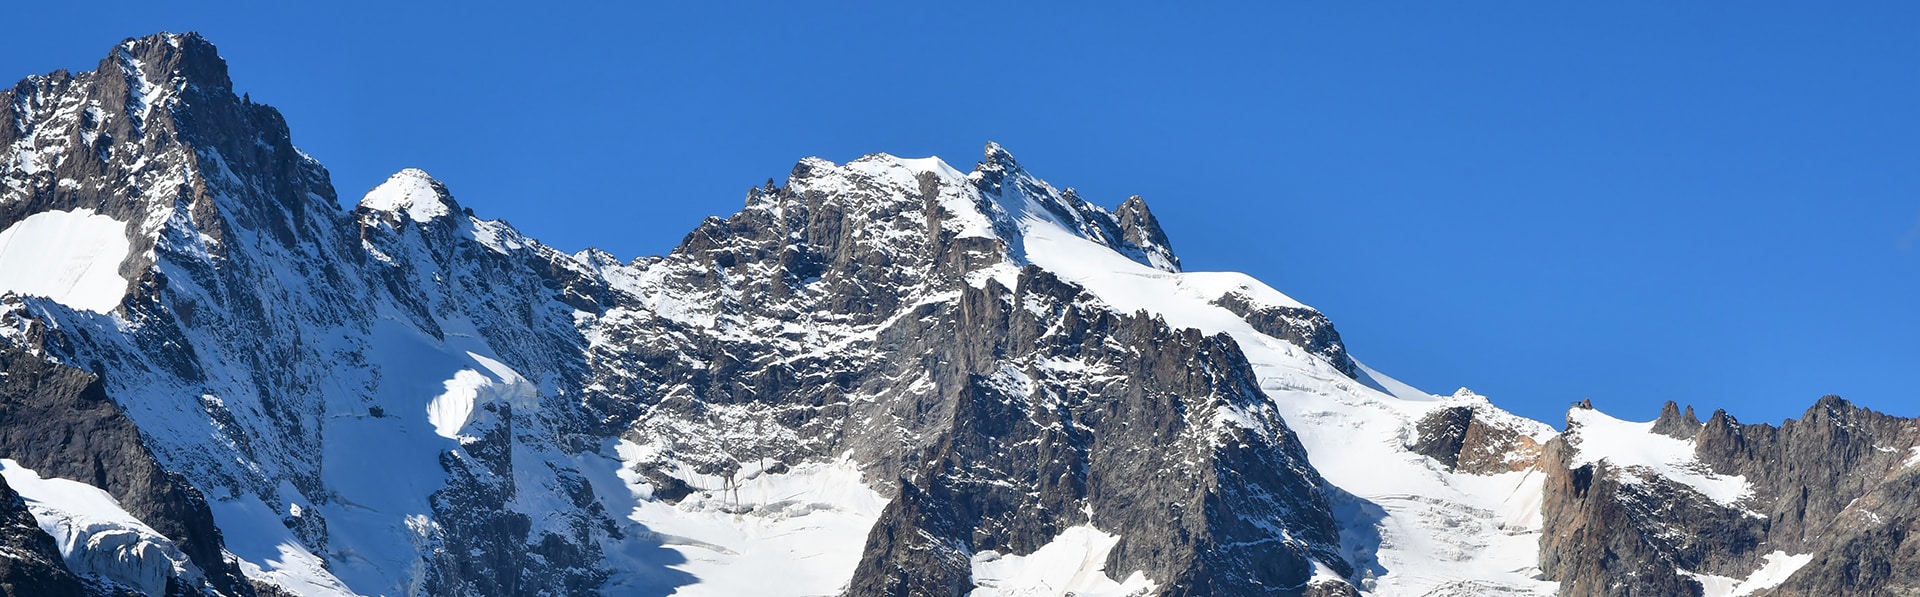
96	536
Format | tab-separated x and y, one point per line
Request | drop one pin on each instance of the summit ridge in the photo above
881	377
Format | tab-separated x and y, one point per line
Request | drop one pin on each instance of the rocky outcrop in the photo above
1141	236
1676	424
1306	328
60	422
1119	453
1870	552
1465	439
1836	483
1591	546
1833	487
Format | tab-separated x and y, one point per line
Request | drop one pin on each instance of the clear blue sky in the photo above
1635	202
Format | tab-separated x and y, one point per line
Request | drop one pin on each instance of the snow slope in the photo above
1072	564
411	191
799	532
1433	531
1778	566
72	257
1637	449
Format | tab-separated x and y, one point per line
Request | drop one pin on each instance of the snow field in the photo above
1074	563
795	533
1774	571
72	257
1634	447
1405	509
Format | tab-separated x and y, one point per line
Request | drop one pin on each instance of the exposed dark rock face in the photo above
1836	484
1140	232
1591	546
1115	448
1464	439
1872	551
59	422
1673	423
1304	327
1443	434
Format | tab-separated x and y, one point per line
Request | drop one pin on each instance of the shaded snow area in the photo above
798	532
386	440
269	552
410	191
97	537
1074	563
72	257
1637	450
1778	566
1412	526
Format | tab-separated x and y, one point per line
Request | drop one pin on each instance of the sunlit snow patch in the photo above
795	533
95	535
453	409
1418	529
450	411
72	257
1075	563
1778	566
1635	447
410	190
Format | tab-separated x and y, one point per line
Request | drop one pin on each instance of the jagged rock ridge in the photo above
883	377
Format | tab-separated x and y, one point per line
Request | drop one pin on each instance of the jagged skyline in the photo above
1625	205
883	376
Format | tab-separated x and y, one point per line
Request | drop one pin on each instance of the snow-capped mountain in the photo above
883	377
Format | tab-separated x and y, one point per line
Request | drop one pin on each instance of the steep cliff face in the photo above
61	425
1476	438
889	310
253	334
1836	486
1816	506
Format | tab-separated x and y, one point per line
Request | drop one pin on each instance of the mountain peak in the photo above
998	157
1139	229
167	56
413	192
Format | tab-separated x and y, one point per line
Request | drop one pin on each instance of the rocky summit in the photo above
884	377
